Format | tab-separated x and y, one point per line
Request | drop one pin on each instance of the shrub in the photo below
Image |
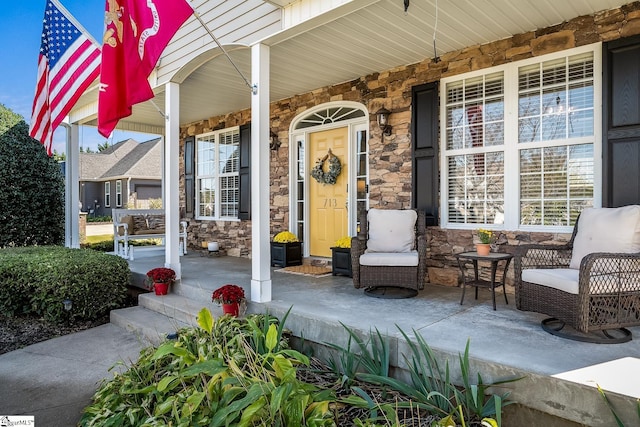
101	246
32	196
105	218
35	280
228	372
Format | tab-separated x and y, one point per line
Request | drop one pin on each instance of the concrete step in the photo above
193	292
176	306
151	327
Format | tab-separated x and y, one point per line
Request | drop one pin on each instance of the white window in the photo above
521	143
217	180
107	194
118	193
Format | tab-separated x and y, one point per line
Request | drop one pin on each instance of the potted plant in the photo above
230	297
161	278
484	247
341	257
286	250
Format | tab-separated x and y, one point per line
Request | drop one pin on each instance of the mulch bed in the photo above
22	331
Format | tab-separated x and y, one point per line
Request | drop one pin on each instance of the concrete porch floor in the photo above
559	375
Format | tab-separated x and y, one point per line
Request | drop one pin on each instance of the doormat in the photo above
307	270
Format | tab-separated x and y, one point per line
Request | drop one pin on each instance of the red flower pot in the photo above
161	288
231	309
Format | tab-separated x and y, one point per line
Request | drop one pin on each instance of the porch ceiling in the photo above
356	39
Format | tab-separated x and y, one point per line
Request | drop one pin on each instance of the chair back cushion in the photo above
611	230
391	230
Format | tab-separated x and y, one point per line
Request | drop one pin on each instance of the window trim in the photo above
216	177
512	149
107	194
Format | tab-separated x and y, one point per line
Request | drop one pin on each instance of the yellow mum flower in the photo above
285	237
344	242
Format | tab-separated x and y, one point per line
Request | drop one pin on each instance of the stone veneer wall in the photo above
390	163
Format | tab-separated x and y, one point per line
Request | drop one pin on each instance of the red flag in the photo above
67	65
137	32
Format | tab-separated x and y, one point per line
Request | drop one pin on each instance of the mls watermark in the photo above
17	420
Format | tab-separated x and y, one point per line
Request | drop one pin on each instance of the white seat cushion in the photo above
391	230
563	279
566	280
390	259
613	230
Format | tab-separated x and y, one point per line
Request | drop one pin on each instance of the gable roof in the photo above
126	158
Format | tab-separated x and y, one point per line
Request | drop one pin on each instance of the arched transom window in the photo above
329	115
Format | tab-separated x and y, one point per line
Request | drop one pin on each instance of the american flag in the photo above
69	62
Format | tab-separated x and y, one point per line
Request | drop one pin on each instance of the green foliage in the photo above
241	372
433	389
214	376
385	413
35	280
100	245
372	356
105	243
32	196
103	146
105	218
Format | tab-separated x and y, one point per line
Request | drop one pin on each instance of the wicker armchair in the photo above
595	293
395	267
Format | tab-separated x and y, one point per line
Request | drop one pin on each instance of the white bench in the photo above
141	224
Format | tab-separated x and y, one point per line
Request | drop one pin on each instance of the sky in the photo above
21	23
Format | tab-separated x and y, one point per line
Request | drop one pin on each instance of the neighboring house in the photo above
127	174
506	115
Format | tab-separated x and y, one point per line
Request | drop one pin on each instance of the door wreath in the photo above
331	176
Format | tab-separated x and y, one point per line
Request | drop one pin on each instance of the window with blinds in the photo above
520	142
474	151
217	178
556	136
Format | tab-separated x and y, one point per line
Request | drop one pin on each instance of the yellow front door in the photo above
327	202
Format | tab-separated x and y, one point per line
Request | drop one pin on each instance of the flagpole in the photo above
254	88
164	116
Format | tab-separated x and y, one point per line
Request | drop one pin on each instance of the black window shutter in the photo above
189	178
244	174
621	127
424	130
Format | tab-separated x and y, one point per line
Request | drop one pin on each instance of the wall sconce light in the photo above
274	144
382	116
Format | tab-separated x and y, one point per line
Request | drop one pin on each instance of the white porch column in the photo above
171	178
260	248
72	187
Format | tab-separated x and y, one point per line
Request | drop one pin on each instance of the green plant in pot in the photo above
484	247
160	278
